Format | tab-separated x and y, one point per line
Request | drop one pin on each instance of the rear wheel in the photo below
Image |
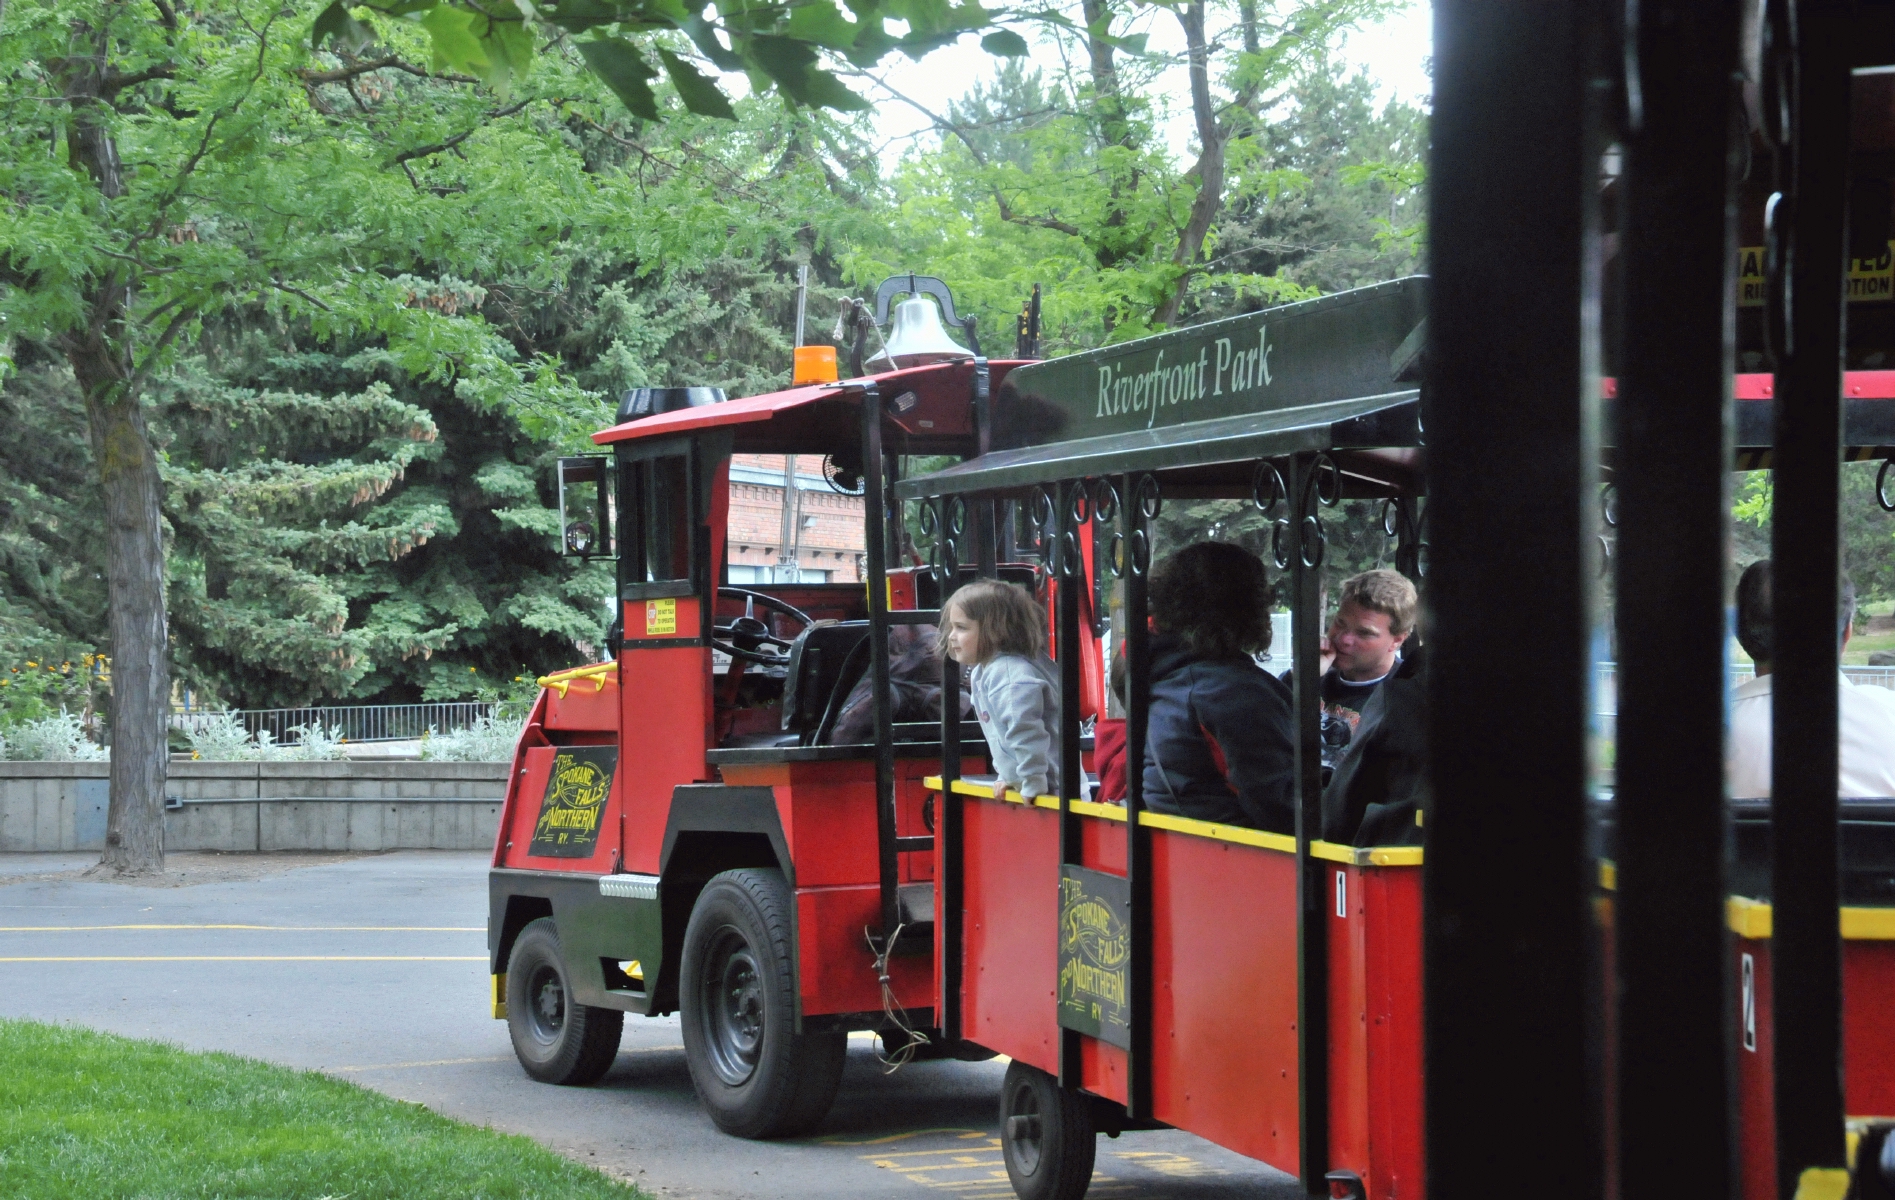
757	1076
1046	1136
555	1039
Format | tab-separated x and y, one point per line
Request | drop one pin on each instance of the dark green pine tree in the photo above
1347	208
52	563
346	533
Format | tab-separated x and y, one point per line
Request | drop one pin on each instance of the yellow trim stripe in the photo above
1219	833
1822	1183
1753	919
1375	856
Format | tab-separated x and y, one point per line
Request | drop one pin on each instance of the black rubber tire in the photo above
556	1040
1046	1136
757	1077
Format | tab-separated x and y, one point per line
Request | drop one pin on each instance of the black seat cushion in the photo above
818	657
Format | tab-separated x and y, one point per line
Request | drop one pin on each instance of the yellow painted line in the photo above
456	1062
432	1062
248	958
958	1130
264	928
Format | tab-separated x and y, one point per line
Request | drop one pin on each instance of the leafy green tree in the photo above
165	166
1351	213
1066	181
782	46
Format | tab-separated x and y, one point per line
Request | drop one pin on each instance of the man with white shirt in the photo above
1866	715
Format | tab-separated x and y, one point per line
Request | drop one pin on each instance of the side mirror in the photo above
585	506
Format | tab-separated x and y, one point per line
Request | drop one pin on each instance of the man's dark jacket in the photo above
1229	708
1381	781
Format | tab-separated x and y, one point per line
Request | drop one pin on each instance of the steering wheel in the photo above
744	637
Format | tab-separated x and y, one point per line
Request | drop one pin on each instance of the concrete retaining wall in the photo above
253	806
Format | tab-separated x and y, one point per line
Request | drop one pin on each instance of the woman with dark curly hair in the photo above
1220	744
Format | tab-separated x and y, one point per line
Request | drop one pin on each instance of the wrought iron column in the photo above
875	512
1806	949
948	816
1304	548
1673	458
1510	415
1068	572
1130	553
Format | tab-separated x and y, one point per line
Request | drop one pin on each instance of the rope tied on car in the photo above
891	1007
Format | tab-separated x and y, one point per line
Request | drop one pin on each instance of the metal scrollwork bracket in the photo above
1072	563
1105	515
1147	500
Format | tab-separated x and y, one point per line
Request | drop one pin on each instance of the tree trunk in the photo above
1210	165
141	687
134	540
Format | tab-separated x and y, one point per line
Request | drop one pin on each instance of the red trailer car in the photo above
683	834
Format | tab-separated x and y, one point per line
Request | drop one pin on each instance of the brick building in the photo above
828	526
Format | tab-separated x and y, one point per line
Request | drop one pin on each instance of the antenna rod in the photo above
788	570
802	299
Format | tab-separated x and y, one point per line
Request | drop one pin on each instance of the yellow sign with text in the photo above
661	616
1871	280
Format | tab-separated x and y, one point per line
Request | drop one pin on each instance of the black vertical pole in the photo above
1135	527
948	814
1673	449
1510	413
1069	570
1312	926
875	512
1806	951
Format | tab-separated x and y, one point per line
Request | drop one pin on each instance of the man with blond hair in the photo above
1375	614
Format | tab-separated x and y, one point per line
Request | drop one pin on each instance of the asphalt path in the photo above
373	969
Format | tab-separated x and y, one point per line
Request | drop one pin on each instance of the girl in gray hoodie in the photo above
998	631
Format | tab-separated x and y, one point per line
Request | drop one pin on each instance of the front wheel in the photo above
756	1075
1046	1136
556	1039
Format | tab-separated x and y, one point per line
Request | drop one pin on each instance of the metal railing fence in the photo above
357	722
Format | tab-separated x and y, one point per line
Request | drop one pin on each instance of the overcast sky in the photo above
1395	52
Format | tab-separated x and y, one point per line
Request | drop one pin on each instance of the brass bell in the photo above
916	336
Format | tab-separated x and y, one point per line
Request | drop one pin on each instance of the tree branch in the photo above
114	83
179	319
343	74
408	156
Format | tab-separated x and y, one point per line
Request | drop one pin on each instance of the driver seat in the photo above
820	658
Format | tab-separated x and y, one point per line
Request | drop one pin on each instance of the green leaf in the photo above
824	90
577	16
625	71
704	35
455	39
792	65
335	22
510	46
1005	43
698	92
822	25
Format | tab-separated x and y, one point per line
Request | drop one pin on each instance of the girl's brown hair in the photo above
1009	619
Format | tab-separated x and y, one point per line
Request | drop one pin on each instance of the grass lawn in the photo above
85	1114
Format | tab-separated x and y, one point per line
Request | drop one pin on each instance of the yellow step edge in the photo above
500	996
